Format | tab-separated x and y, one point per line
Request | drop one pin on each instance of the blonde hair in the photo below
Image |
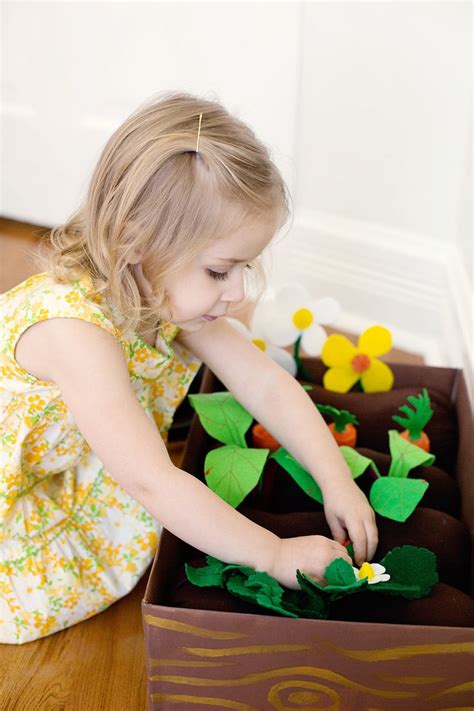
152	194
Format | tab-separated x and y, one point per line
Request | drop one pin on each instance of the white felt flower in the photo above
277	354
292	314
374	572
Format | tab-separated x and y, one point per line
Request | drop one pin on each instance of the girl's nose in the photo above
235	288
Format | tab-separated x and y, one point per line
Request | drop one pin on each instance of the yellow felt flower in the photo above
348	363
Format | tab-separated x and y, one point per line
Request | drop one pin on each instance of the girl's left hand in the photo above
350	515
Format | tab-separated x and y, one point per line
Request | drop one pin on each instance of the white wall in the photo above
384	171
365	106
384	112
73	71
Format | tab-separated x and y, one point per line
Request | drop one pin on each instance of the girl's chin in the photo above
192	325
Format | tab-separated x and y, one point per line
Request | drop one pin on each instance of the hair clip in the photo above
199	133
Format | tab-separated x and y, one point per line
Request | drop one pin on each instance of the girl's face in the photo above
205	289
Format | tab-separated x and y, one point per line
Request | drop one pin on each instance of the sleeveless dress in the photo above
72	541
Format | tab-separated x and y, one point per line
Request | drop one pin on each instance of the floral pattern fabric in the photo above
72	541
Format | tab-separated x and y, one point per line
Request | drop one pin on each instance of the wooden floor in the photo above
97	665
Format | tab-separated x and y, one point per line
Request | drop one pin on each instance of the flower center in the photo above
366	571
302	319
259	343
360	363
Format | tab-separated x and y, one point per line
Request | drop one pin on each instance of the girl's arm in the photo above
89	367
283	407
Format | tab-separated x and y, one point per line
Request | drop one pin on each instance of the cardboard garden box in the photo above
221	659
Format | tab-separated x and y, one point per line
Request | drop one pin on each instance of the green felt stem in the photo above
302	372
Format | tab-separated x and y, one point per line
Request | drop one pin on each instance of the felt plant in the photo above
394	496
234	470
342	427
294	317
416	419
410	573
258	338
349	364
231	471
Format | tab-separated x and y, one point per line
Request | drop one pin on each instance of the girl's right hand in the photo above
309	554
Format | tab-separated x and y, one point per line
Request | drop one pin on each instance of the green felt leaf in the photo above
207	576
308	387
411	592
410	566
257	581
300	475
232	568
356	462
405	455
396	498
334	590
339	572
318	601
257	589
309	605
264	583
232	472
261	589
222	417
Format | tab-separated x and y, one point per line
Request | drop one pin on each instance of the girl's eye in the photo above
222	276
218	275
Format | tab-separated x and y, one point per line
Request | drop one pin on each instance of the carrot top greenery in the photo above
341	417
342	428
416	419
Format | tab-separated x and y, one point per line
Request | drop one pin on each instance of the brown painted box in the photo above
253	662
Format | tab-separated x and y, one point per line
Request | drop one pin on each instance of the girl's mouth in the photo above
209	318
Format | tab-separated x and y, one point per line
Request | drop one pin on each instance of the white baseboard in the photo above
416	286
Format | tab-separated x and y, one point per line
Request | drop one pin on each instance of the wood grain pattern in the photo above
322	664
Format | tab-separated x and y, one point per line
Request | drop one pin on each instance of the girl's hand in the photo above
309	554
350	515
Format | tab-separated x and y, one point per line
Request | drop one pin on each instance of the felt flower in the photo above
374	573
283	358
293	315
349	363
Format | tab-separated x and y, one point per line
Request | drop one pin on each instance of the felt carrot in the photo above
263	439
416	419
342	428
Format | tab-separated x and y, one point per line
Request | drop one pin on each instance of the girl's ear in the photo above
144	286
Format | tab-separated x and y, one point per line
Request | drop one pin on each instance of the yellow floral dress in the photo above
72	541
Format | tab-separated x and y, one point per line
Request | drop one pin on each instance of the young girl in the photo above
99	350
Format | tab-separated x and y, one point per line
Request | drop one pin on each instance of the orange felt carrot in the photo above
423	441
263	439
342	428
416	419
348	436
